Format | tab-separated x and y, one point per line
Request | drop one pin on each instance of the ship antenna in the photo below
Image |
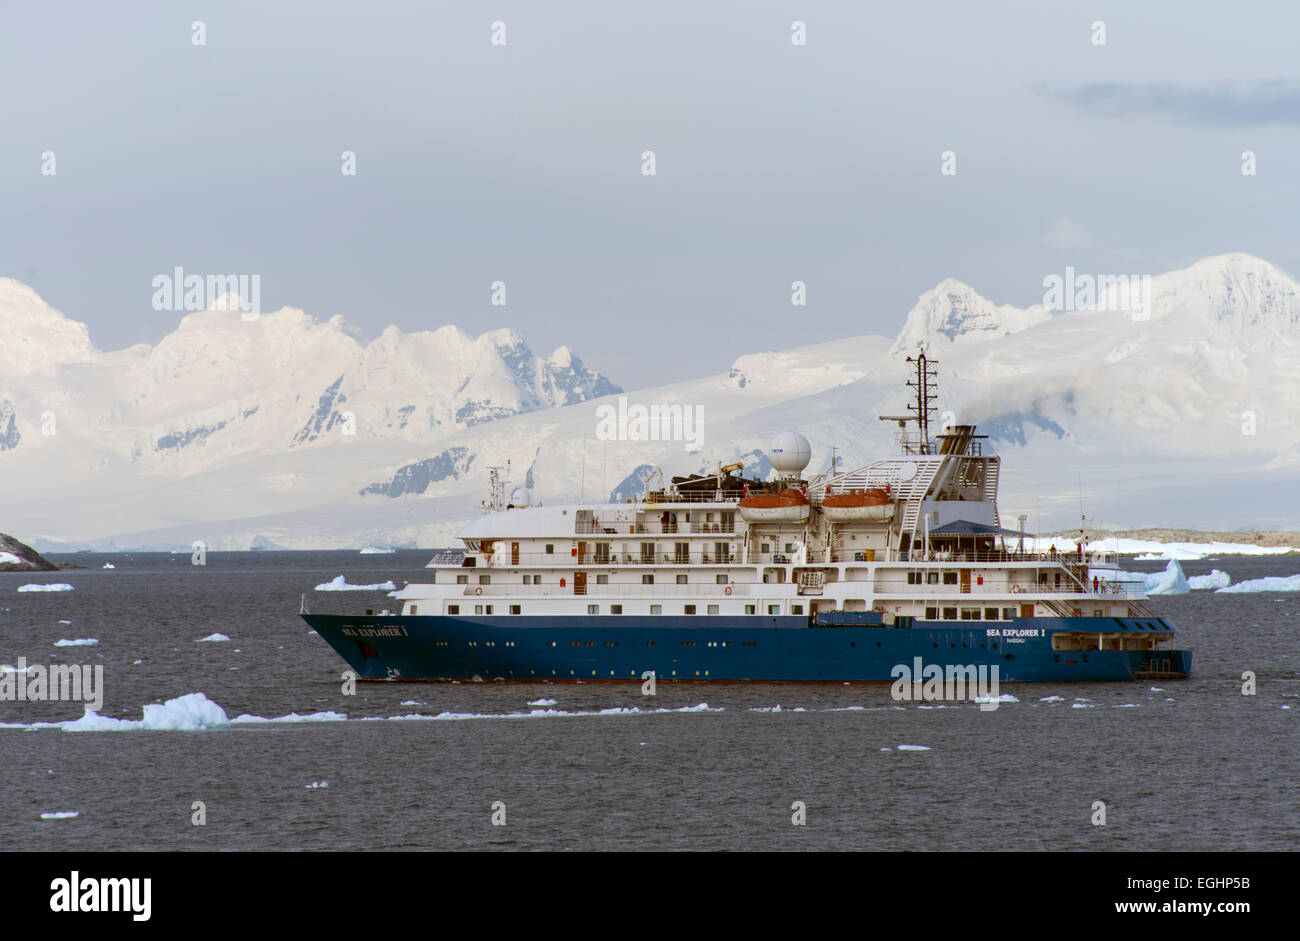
925	385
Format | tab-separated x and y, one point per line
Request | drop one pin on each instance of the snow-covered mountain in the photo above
296	433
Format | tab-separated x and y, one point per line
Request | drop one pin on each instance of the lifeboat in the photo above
788	506
871	505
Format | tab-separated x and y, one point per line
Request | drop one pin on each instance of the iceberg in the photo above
341	584
52	586
1273	583
79	642
191	712
377	550
1171	581
212	638
1216	579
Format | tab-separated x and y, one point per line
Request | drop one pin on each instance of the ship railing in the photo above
655	528
623	591
656	497
994	555
1109	590
589	558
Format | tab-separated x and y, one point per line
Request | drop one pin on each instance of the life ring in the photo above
1042	557
727	590
1015	589
478	591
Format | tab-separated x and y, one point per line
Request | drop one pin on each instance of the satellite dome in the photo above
789	452
520	496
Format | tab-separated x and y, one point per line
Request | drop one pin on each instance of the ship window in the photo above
602	579
950	578
489	608
690	609
647	553
515	609
950	614
453	609
414	608
721	579
932	578
913	578
550	548
593	609
990	614
616	609
462	579
602	553
647	579
485	579
774	609
1008	614
713	609
751	608
970	614
796	609
789	547
765	547
478	609
681	579
932	613
656	609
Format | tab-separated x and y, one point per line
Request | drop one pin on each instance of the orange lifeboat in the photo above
873	504
788	506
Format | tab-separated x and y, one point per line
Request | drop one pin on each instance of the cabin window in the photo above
616	609
414	608
550	548
774	609
720	579
647	553
489	608
656	609
453	609
602	579
515	609
970	614
990	614
478	609
485	579
462	579
932	578
932	613
765	547
751	609
950	614
593	609
913	578
713	609
681	579
1008	614
950	578
722	552
689	609
647	579
681	553
602	553
796	609
789	547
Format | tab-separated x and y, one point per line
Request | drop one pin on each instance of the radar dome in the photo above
789	452
520	496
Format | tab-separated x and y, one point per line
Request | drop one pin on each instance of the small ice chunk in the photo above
79	642
535	702
913	747
51	586
341	584
212	638
60	815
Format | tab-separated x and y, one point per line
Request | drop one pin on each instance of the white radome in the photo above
521	497
789	452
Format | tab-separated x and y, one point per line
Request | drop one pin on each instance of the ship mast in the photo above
920	411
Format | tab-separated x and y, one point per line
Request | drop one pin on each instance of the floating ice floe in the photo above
1171	581
341	584
1081	705
378	550
412	702
1052	699
1216	579
1272	583
212	638
292	717
1005	697
109	565
50	586
913	747
79	642
65	622
61	815
535	702
316	784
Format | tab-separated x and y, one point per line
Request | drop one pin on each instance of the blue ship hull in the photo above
843	648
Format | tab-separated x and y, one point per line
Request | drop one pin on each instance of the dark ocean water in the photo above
1194	765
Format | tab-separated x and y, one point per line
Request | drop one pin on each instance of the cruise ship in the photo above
836	577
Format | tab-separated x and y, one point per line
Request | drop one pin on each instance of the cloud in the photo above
1274	102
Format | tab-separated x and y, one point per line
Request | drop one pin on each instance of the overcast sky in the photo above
522	163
